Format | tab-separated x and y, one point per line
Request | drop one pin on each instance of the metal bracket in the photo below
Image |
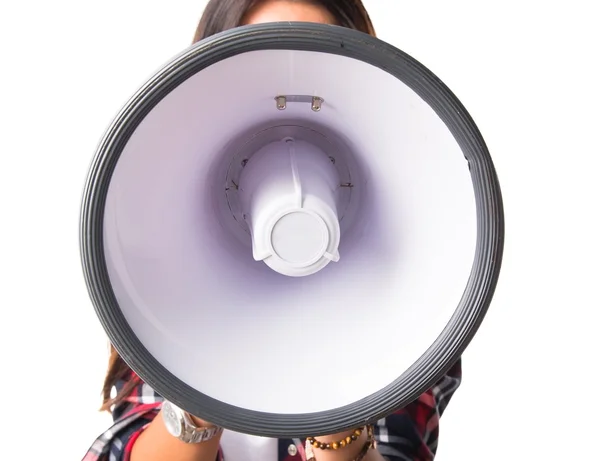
315	101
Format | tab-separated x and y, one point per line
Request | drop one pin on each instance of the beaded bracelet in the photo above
370	443
335	445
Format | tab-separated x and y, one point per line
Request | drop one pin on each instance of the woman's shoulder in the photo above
136	405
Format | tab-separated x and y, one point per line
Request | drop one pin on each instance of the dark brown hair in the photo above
219	16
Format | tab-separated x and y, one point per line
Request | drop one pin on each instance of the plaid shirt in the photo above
410	434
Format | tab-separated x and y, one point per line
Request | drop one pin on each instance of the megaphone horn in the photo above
292	193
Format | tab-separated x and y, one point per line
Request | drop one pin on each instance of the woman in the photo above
141	417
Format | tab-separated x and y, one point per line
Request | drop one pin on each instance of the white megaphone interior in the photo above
182	266
288	195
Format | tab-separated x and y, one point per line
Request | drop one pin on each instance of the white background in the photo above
527	71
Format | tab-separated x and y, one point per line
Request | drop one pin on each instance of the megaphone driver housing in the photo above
292	229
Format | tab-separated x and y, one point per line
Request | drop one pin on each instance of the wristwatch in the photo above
179	424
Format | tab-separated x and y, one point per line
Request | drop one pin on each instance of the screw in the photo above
316	103
281	102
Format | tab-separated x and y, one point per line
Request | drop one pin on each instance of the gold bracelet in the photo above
335	445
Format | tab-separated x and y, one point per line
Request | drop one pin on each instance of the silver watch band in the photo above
180	424
193	434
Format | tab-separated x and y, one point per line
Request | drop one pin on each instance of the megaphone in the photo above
291	229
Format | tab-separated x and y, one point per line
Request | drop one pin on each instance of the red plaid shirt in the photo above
410	434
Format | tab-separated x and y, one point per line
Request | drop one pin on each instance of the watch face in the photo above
173	419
